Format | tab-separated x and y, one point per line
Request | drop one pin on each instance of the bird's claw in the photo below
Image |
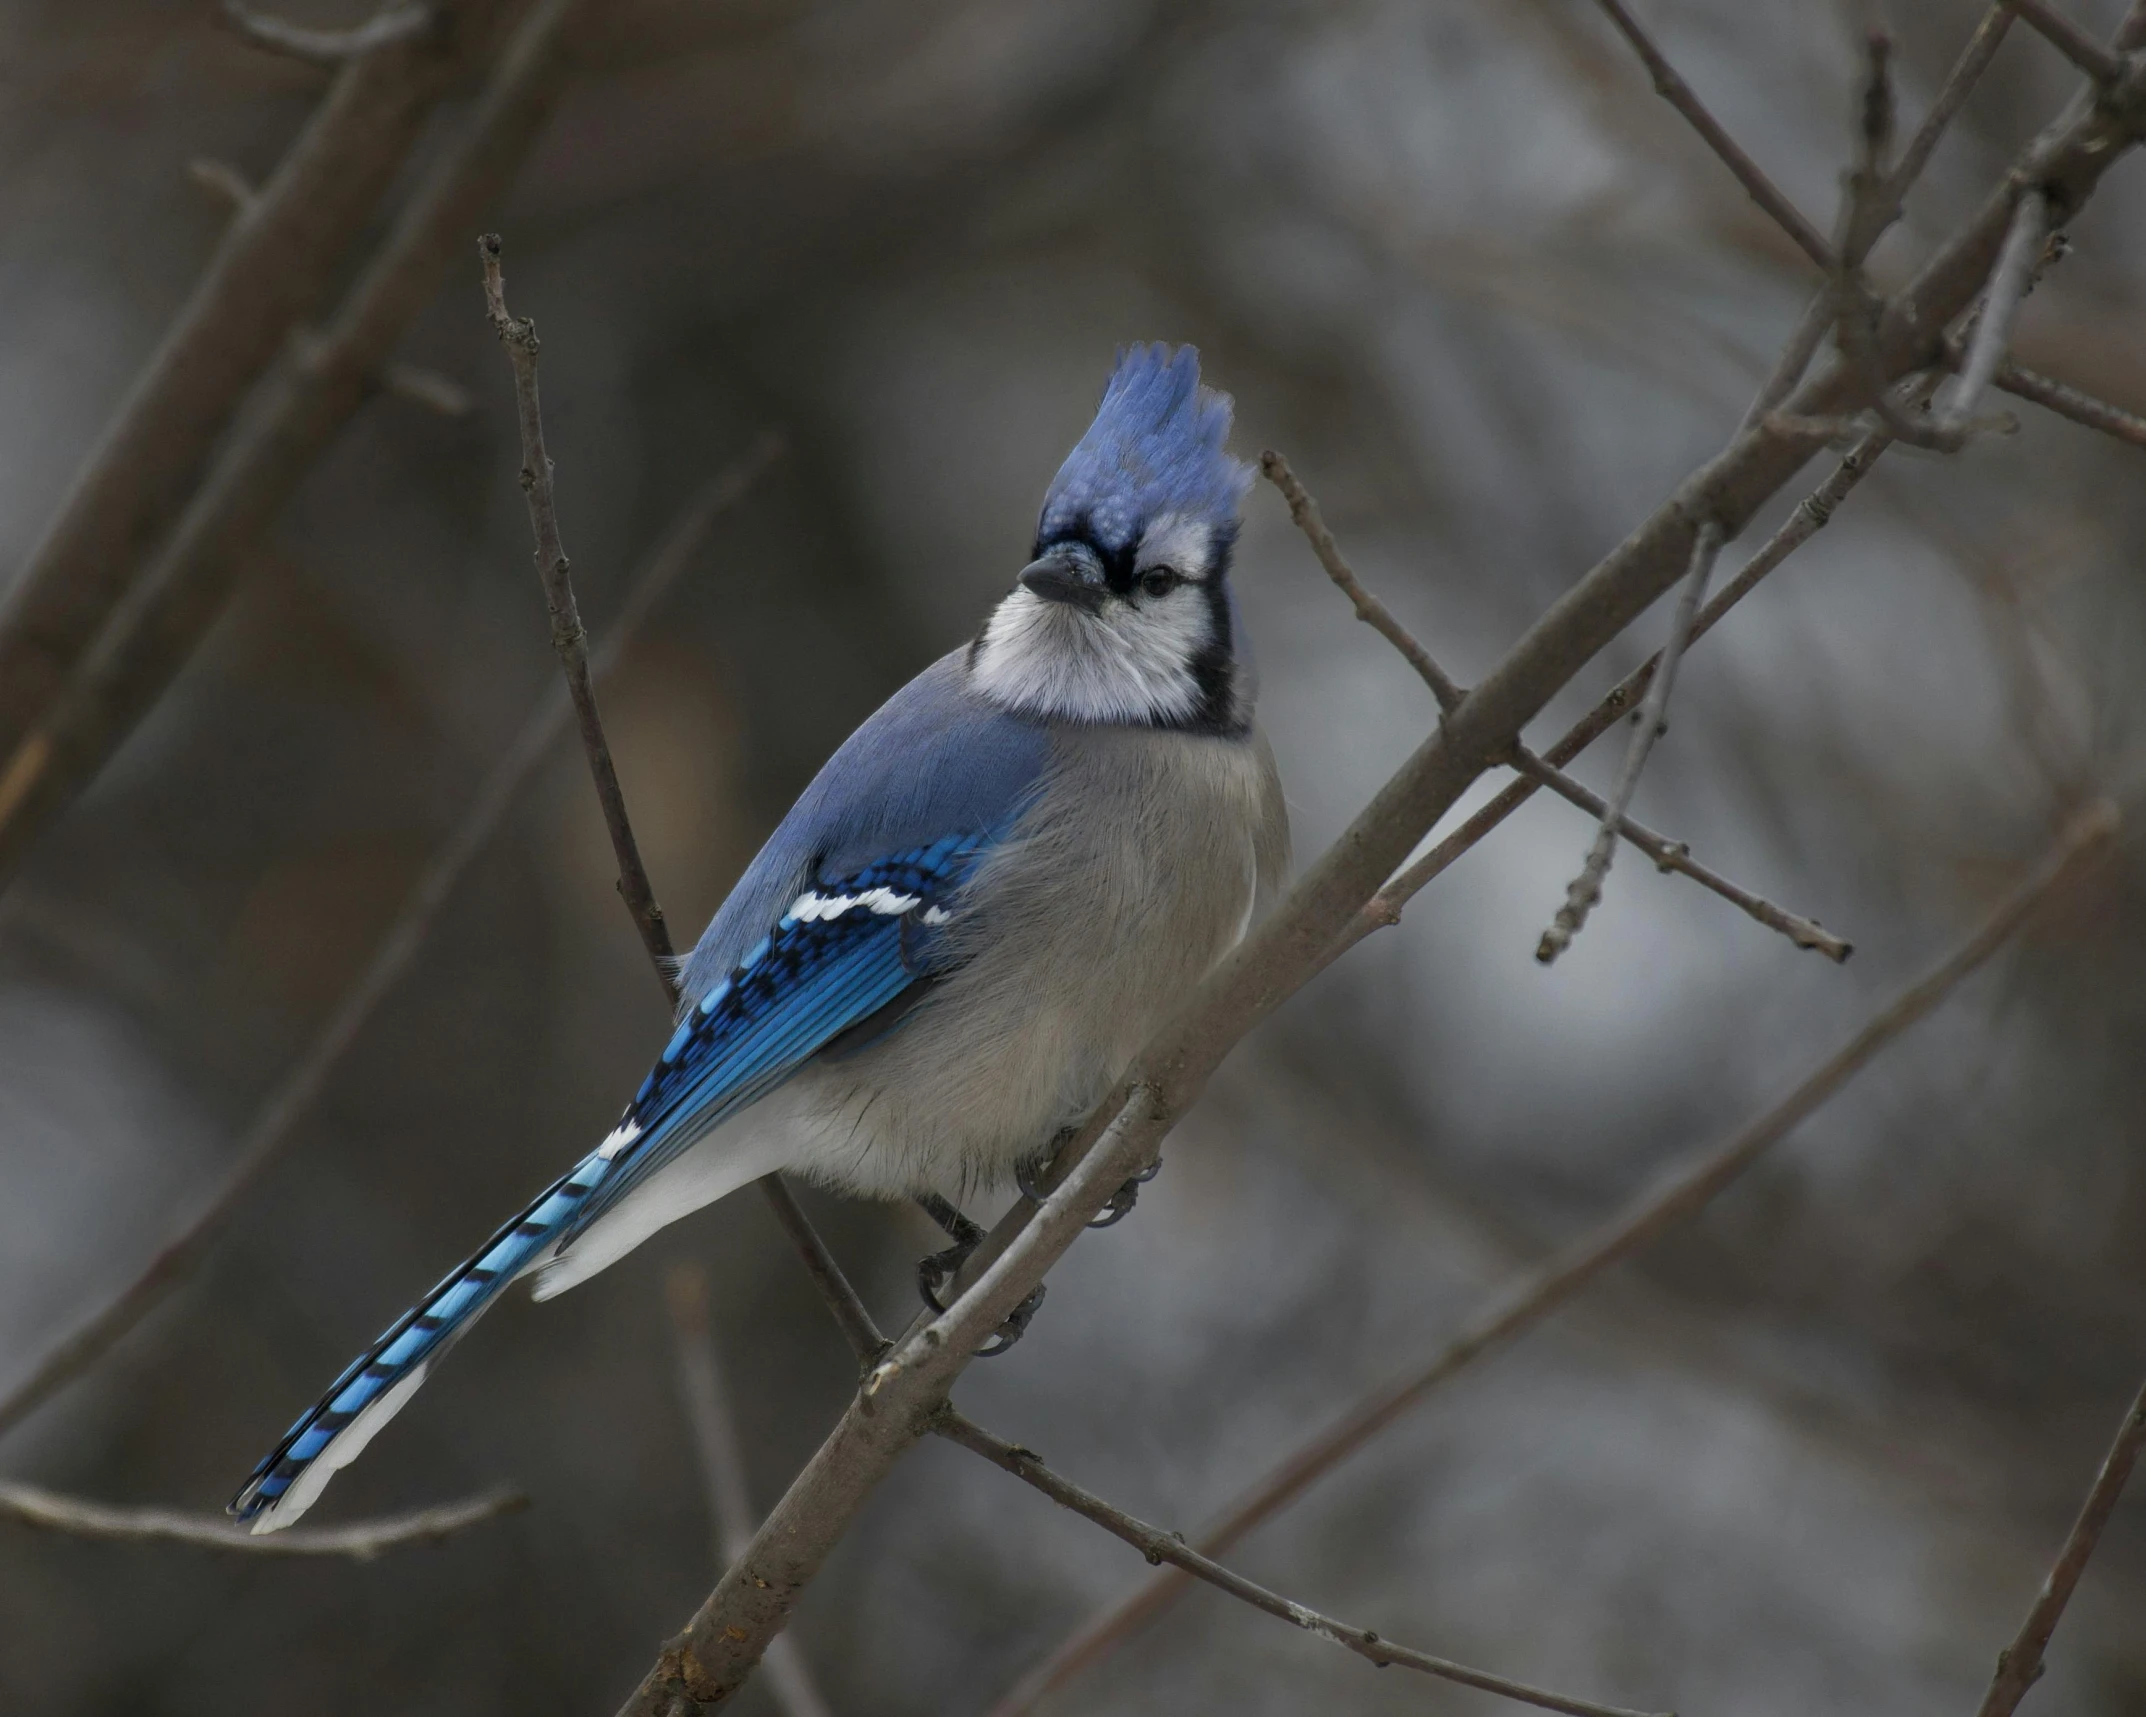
941	1268
1014	1328
1122	1201
1115	1211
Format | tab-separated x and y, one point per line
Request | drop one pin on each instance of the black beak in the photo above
1062	578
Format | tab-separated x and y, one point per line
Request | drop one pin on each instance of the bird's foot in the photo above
940	1269
1027	1176
1122	1201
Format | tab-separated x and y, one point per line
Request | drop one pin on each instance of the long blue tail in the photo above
330	1434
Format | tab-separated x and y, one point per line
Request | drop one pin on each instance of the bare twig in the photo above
1673	89
2069	40
271	270
1586	888
1159	1546
568	639
1369	609
864	1336
361	1539
303	1081
714	1654
1803	343
1810	515
1667	854
2019	1665
70	731
401	23
2009	282
1535	1294
1675	856
1865	214
570	643
2068	401
722	1467
1959	83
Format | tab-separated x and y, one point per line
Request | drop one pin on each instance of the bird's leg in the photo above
936	1271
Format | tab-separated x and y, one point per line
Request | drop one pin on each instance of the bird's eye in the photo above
1160	580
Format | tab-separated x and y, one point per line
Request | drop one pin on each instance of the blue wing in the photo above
846	953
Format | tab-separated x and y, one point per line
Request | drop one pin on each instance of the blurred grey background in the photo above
1493	301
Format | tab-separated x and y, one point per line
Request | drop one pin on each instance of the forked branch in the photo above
1586	888
1668	855
1159	1546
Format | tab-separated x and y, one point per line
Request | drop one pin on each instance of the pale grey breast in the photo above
1138	867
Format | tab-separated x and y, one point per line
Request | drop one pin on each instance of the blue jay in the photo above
981	908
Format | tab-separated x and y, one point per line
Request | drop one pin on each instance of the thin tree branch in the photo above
568	638
1667	855
2069	40
401	23
726	1635
2068	401
1959	84
1586	888
1673	89
864	1336
1369	609
1159	1546
2019	1665
1675	856
1811	515
1802	346
706	1396
271	269
1865	213
570	643
1534	1295
303	1081
68	732
361	1540
1882	205
2009	282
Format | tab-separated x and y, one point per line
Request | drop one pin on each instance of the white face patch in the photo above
1130	662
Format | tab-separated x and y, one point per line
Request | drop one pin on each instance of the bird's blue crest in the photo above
1155	448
